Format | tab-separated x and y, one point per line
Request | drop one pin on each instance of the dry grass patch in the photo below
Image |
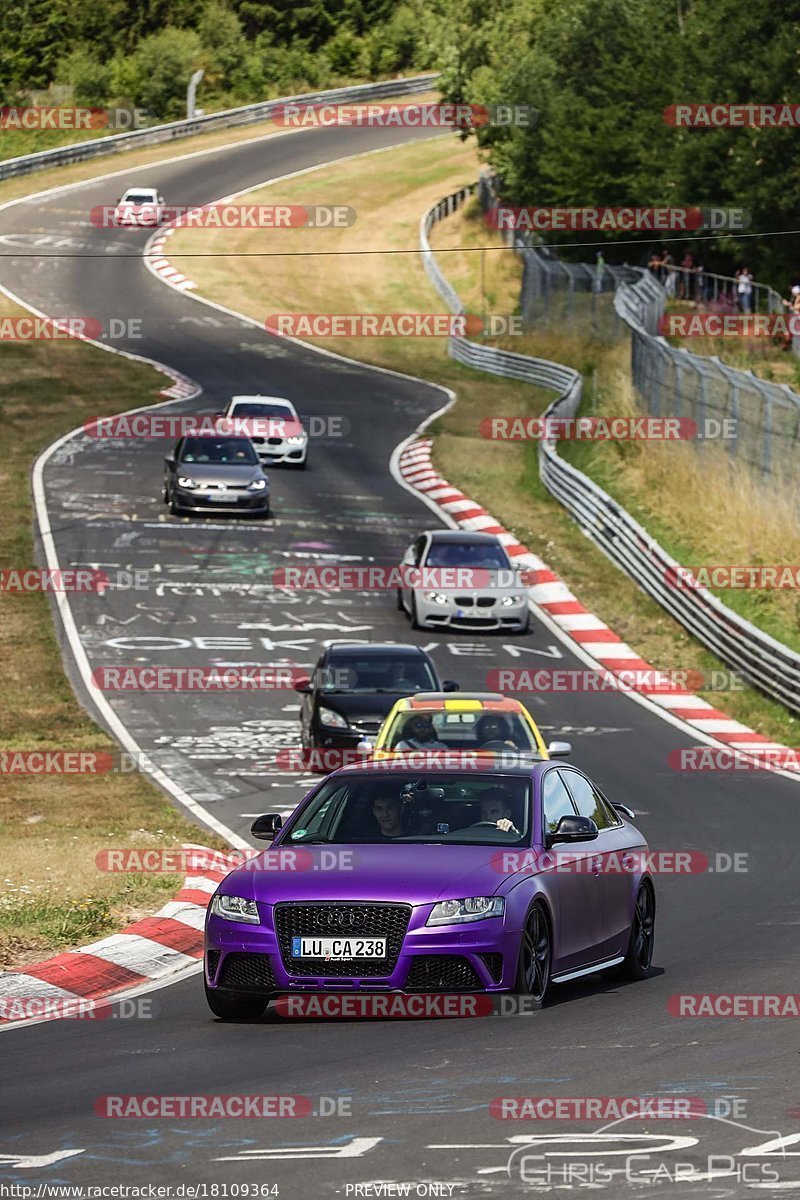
51	827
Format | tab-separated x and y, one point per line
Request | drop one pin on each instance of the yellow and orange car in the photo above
478	722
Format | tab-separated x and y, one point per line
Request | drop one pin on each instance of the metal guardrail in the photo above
675	382
770	666
245	115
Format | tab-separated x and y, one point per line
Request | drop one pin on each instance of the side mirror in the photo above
626	812
574	829
266	826
450	685
365	746
303	686
559	749
170	460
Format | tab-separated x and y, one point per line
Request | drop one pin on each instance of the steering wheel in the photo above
497	744
477	824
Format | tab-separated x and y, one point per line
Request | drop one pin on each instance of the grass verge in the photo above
52	895
393	189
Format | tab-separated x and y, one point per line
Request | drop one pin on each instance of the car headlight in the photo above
328	717
437	597
458	912
185	482
235	908
257	485
509	600
296	439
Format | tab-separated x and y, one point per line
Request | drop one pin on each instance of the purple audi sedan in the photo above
391	879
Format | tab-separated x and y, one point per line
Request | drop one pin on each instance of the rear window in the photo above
589	802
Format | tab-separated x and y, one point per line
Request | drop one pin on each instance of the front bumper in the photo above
280	451
233	500
485	611
478	958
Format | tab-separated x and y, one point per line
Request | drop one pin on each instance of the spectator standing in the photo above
744	290
668	267
685	281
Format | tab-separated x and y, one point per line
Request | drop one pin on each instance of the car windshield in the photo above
232	451
401	674
262	410
442	729
139	198
466	554
404	806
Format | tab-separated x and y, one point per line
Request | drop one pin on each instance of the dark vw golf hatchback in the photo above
353	688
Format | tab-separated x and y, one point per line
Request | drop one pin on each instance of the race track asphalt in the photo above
416	1092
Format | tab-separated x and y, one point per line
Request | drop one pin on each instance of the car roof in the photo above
373	649
461	702
461	536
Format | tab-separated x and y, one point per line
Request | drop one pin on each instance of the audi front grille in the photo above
359	919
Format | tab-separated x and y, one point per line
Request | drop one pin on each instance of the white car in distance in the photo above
273	427
139	206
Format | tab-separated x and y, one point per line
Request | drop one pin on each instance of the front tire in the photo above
535	958
413	613
638	963
235	1006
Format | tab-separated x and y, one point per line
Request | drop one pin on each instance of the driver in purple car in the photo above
388	812
496	808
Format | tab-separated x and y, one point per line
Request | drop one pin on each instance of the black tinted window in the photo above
588	802
371	673
556	801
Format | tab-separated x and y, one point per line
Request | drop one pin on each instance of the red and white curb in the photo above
160	264
145	952
552	595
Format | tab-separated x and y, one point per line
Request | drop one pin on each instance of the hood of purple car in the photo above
410	873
